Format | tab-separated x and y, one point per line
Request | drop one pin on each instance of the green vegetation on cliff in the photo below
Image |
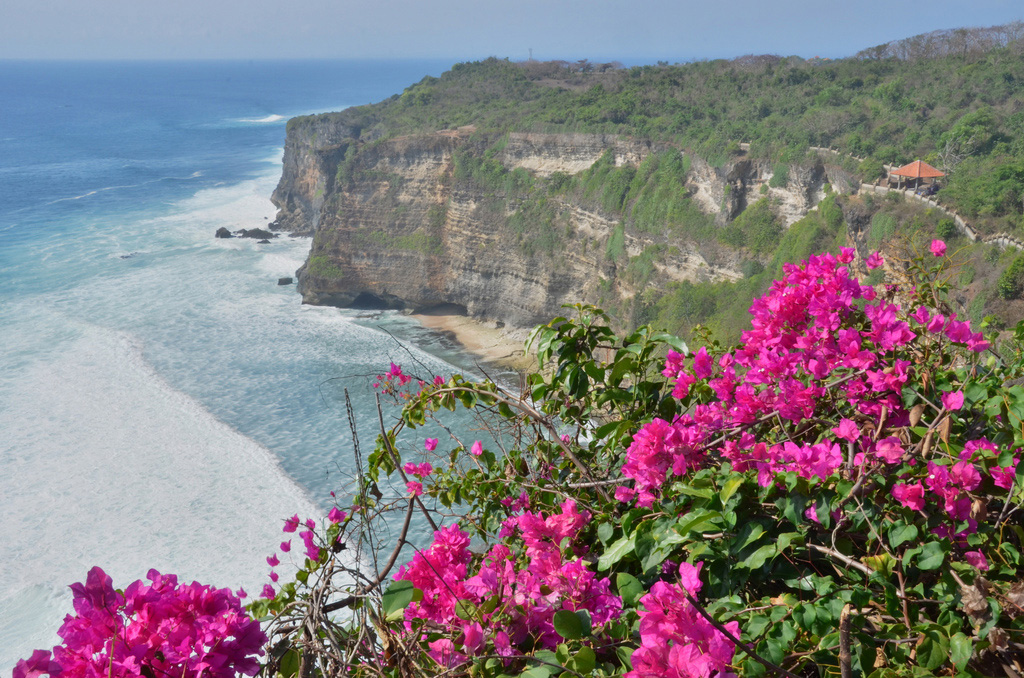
960	110
953	99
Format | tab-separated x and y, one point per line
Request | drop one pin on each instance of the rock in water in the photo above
258	233
223	233
284	281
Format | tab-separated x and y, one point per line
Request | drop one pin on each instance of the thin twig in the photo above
845	658
395	459
846	560
363	590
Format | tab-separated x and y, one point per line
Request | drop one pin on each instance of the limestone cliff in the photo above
457	217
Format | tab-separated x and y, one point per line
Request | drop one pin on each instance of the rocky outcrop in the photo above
545	154
313	149
726	191
397	224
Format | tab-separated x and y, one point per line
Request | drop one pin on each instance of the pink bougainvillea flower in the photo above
477	449
624	493
310	524
273	561
443	652
847	430
291	524
414	488
911	496
273	576
268	591
921	315
675	640
977	559
702	366
889	450
845	255
812	513
965	476
430	444
286	546
1004	476
874	261
241	593
472	637
336	515
36	665
953	401
938	248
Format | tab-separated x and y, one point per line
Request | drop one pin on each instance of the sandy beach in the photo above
496	345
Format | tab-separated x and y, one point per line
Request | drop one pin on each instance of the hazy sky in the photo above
631	30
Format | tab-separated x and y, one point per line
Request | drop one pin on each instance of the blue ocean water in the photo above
163	402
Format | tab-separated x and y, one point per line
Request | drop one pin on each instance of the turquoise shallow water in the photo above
163	402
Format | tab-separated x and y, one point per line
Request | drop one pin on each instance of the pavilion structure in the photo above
915	174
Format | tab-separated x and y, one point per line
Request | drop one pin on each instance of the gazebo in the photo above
916	171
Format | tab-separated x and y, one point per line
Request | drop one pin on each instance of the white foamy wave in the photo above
267	119
91	193
103	463
87	194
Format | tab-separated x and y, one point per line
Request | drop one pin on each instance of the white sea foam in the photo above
266	119
103	463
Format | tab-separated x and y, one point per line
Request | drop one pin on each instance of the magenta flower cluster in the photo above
820	342
524	592
156	629
676	641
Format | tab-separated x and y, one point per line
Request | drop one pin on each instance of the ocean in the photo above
164	403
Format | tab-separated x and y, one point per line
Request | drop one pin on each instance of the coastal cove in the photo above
165	403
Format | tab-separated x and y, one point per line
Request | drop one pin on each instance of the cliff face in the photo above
313	149
398	223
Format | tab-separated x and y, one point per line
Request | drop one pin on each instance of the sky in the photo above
632	31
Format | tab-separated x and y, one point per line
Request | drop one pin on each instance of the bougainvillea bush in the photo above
157	629
839	494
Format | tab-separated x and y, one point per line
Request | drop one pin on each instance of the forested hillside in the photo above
953	99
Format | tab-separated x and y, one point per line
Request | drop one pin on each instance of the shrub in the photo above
156	629
1011	282
834	494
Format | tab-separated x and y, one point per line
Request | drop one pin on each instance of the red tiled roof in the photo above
917	170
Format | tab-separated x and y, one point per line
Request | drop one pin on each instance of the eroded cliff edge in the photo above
511	226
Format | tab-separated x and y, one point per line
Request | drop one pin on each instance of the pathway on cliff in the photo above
999	239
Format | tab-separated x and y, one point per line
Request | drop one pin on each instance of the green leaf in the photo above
786	538
540	671
625	655
465	610
672	340
605	532
569	625
584	662
730	487
960	650
616	552
397	598
932	556
901	533
756	559
629	587
748	535
933	650
289	663
694	520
